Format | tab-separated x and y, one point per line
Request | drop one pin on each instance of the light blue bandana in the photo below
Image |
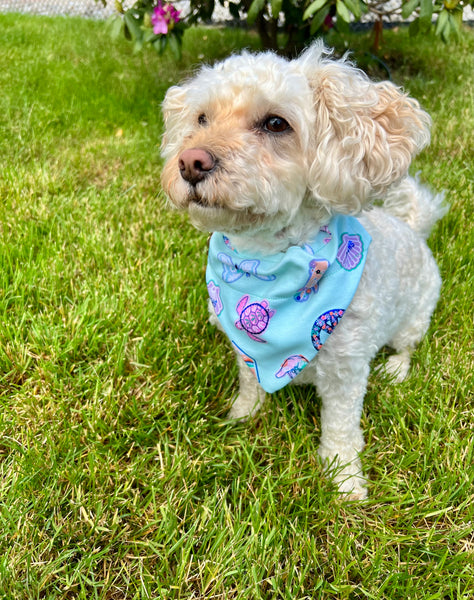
278	310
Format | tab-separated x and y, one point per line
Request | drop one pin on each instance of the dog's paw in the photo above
237	415
397	366
243	408
351	487
346	474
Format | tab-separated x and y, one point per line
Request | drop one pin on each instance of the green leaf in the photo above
414	27
138	46
276	8
313	8
442	22
255	8
455	21
133	26
160	44
343	11
409	7
457	17
148	36
355	7
318	19
426	12
115	26
446	33
175	46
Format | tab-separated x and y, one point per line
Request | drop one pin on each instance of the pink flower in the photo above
328	22
164	18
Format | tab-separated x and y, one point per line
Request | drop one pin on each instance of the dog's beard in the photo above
215	205
215	217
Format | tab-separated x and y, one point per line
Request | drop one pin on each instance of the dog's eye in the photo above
202	119
276	124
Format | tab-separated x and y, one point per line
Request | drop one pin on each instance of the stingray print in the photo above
350	251
317	268
292	366
327	323
253	317
233	272
215	296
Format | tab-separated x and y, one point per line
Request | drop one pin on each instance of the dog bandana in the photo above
278	310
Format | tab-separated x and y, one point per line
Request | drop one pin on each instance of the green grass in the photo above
120	478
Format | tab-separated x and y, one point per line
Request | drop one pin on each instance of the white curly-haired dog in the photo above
309	278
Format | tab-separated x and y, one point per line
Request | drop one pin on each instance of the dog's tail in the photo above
416	204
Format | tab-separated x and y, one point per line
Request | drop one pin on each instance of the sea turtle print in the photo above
253	317
325	323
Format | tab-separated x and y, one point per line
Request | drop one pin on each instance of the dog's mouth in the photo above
198	200
201	196
211	207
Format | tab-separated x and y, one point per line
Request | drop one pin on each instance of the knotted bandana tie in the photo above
279	309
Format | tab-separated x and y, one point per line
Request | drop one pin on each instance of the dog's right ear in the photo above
175	114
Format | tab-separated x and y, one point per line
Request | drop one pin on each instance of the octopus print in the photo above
350	251
253	317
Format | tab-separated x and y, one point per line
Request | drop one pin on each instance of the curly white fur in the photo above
344	141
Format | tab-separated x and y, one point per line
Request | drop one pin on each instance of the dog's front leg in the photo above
341	386
251	394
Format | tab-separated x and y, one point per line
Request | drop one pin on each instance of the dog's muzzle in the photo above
195	164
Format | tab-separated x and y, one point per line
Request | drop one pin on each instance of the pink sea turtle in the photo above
253	317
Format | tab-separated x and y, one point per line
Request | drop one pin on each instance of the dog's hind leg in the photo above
411	333
251	395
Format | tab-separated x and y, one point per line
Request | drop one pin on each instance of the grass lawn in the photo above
120	478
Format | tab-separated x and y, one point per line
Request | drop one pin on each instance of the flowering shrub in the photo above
163	18
150	22
283	25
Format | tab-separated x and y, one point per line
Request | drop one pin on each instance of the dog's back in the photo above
415	204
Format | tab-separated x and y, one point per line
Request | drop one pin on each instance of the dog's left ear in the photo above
366	133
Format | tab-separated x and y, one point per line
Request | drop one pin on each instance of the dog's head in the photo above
252	138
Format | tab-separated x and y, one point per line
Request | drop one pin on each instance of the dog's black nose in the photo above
195	164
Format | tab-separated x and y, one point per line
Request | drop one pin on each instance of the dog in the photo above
318	255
